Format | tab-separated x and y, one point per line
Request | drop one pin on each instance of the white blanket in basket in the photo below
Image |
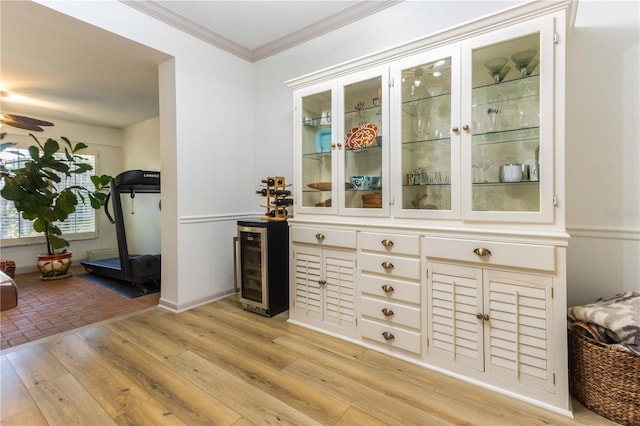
616	319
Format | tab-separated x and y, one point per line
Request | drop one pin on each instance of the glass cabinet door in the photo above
364	169
317	151
510	133
427	168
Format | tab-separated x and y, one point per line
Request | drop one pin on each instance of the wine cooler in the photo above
263	272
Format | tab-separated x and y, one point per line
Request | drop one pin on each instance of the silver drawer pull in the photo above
387	265
387	335
387	288
482	252
320	237
387	312
387	243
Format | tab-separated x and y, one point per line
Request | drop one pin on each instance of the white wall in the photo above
105	142
141	151
205	142
603	150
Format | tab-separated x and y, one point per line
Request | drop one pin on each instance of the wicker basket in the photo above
372	201
603	378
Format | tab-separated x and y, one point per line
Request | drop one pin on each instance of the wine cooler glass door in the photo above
253	266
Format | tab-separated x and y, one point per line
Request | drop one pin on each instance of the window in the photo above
14	230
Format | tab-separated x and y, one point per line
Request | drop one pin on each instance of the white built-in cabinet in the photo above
429	217
491	320
323	271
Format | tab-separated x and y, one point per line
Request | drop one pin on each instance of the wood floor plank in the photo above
234	316
258	348
187	402
371	401
384	380
14	397
501	409
63	401
120	396
255	405
31	417
35	364
356	417
242	361
136	331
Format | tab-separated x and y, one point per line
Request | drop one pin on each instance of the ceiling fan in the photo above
22	122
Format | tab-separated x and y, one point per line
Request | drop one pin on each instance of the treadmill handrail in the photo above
106	208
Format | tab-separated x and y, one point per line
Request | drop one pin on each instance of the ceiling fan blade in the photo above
27	120
20	125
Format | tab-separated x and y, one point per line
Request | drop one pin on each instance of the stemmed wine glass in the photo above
486	160
497	68
523	61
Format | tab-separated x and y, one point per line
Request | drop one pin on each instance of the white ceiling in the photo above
53	66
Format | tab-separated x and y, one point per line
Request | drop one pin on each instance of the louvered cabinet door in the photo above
340	293
519	308
307	296
455	298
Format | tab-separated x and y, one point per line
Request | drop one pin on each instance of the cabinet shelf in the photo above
317	155
415	145
410	106
522	182
512	90
507	136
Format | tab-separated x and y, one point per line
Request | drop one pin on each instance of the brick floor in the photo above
46	308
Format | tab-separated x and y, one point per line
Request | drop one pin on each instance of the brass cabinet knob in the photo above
339	145
387	288
387	265
320	237
465	127
455	130
333	145
387	243
484	317
387	312
387	335
482	251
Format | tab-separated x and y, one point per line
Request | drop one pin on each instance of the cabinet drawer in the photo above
396	337
508	254
390	313
400	291
324	237
400	267
389	243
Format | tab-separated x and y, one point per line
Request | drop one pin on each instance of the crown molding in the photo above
163	14
347	16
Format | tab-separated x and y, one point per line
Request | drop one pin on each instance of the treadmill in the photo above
137	269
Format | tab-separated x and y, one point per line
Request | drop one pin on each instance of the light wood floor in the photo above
219	364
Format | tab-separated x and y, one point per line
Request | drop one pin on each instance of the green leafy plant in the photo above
32	187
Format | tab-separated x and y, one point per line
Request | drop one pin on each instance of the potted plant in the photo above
34	189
